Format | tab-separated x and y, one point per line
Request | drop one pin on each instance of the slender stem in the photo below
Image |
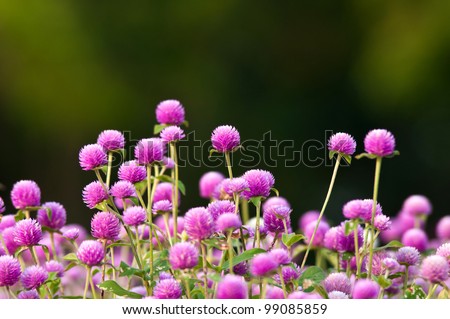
186	284
52	242
405	280
111	250
94	295
258	217
86	285
150	221
431	292
242	239
244	210
230	251
381	294
374	208
357	257
108	174
283	285
104	267
327	198
138	245
264	289
285	226
166	223
175	202
227	159
236	203
27	213
8	289
33	254
205	269
338	259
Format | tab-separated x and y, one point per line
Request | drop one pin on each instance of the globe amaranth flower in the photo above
208	183
365	289
149	150
232	287
434	269
134	216
304	295
165	275
382	222
379	142
235	186
263	265
183	256
444	251
416	238
172	134
338	282
240	269
2	206
33	277
330	238
408	256
168	163
417	205
443	228
94	194
123	189
367	207
391	265
71	233
56	267
274	218
225	138
320	233
219	207
162	207
378	267
274	201
170	112
10	271
25	194
167	289
28	294
274	292
27	232
354	209
6	222
337	295
91	252
105	225
342	143
163	191
198	223
289	275
281	256
308	217
9	240
227	222
130	171
111	140
57	214
259	182
92	156
346	243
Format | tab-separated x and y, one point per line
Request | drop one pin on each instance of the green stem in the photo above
244	210
102	293
205	270
108	174
258	217
357	257
431	292
175	203
405	280
33	254
374	208
327	198
150	221
264	289
8	289
227	159
283	285
91	282
86	285
166	223
186	284
230	251
52	242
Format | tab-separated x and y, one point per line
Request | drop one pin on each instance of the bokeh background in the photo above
70	69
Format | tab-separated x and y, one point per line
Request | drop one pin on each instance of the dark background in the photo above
70	69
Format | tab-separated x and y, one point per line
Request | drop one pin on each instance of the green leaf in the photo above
20	251
350	227
291	239
256	200
128	271
71	265
395	153
331	154
158	128
19	216
212	151
71	257
115	288
321	291
367	155
246	255
347	158
391	244
273	189
383	282
347	255
311	277
414	292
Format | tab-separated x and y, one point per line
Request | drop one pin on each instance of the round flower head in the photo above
274	201
367	207
240	269
149	150
123	189
92	156
274	292
27	232
198	223
111	140
337	295
416	238
130	171
408	256
2	206
281	256
170	112
444	251
391	264
172	134
56	267
232	287
168	162
33	277
162	206
289	274
347	243
443	228
382	222
225	138
435	269
353	209
308	217
165	275
208	183
134	216
57	215
339	282
183	256
379	142
164	191
71	233
105	225
320	233
234	186
220	207
94	194
9	240
10	271
377	263
6	222
259	183
365	289
262	265
342	143
417	205
167	289
274	218
330	238
91	252
228	221
28	294
25	194
303	295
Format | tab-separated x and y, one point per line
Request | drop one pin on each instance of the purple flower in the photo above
281	256
162	206
139	290
164	191
71	233
263	265
379	142
417	205
338	282
2	206
367	207
208	183
105	225
365	289
337	295
170	112
228	221
416	238
9	239
225	138
167	289
92	156
377	263
9	271
111	140
347	243
220	207
259	182
198	223
6	222
240	269
149	150
172	134
304	295
274	201
274	292
134	216
27	232
232	287
274	216
168	162
391	264
56	267
235	186
342	143
91	252
435	269
382	222
330	238
443	228
28	294
25	194
57	215
183	256
444	251
130	171
320	233
123	189
94	194
308	217
33	277
354	209
289	274
165	275
408	256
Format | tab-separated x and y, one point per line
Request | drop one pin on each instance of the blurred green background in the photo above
70	69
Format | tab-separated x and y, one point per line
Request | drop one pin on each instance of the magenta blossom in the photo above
219	207
198	223
435	269
208	183
27	232
172	134
342	143
262	265
417	205
123	189
379	142
25	194
92	156
94	194
228	221
260	182
111	140
170	112
183	256
134	216
91	252
149	150
10	271
33	277
225	138
232	287
130	171
57	218
167	289
105	225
